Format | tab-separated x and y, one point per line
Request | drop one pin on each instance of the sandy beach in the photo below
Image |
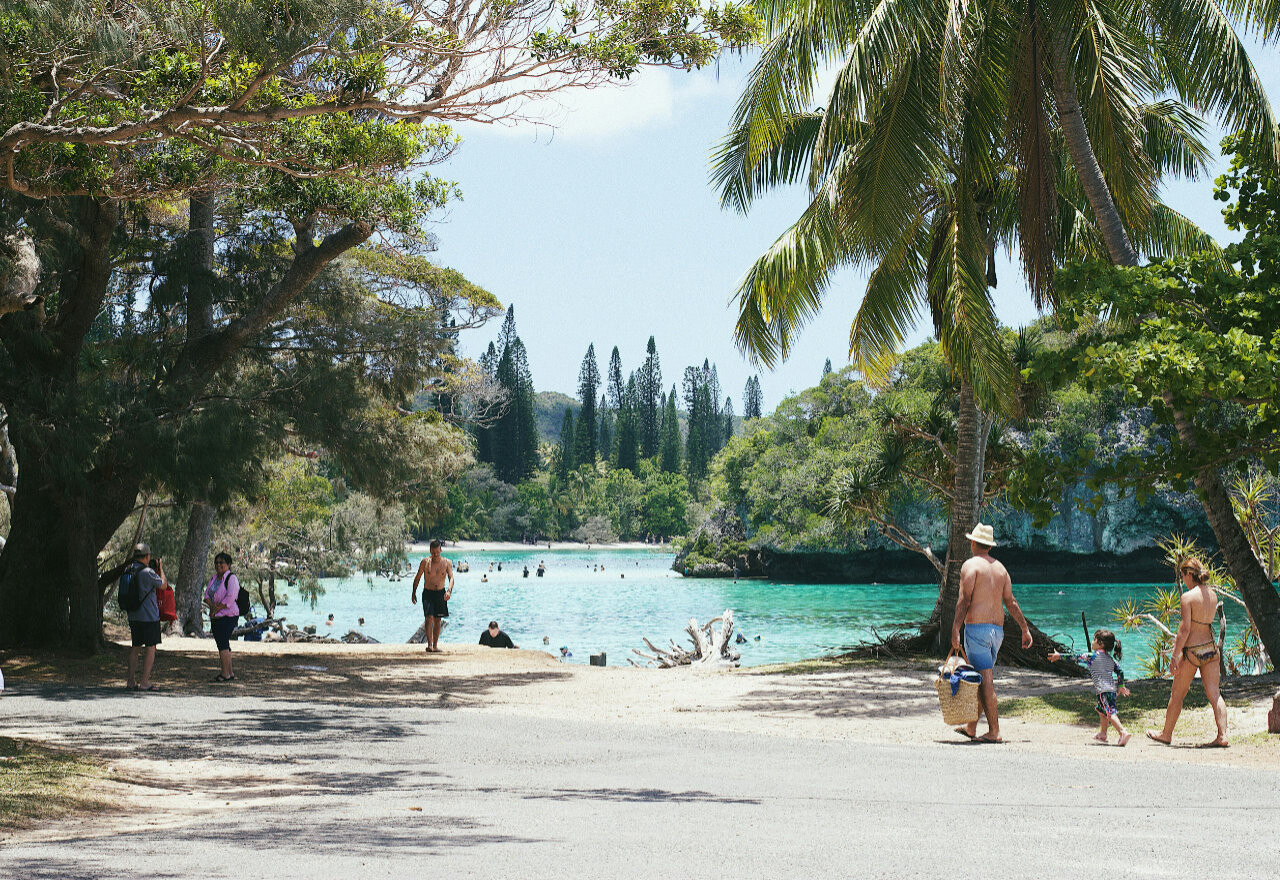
873	703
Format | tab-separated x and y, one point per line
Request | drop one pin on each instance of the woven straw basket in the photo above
962	707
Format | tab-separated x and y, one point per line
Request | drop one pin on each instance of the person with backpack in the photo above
223	596
137	596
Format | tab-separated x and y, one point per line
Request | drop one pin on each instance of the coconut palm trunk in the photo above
966	501
1076	135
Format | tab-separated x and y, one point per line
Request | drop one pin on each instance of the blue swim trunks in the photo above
982	644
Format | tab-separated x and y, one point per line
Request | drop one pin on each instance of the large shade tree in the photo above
314	120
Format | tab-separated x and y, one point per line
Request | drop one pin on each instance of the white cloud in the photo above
653	98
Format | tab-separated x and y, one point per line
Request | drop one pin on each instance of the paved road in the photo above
271	788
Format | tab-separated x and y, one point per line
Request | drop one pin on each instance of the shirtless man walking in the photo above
985	591
433	572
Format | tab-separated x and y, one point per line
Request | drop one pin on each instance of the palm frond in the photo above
740	170
783	289
1211	69
1173	138
1169	233
1035	160
891	306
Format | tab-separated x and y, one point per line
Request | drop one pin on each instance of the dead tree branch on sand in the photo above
712	648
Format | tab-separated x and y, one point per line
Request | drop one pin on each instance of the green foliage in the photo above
301	527
1194	334
867	450
588	387
510	442
151	96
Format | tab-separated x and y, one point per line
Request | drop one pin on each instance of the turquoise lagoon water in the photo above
591	611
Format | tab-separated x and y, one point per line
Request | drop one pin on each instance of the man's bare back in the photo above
989	587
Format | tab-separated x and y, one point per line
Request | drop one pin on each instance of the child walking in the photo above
1107	677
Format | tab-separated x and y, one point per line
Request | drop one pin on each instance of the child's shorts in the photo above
1107	703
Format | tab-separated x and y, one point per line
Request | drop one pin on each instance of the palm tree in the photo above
920	177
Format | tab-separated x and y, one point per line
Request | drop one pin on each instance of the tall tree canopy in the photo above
1195	337
588	386
649	389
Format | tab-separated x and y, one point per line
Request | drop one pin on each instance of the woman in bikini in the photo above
1194	649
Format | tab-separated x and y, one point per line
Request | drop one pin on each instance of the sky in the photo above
600	227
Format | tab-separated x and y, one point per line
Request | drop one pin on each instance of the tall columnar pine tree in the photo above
649	389
826	368
568	460
753	399
629	422
727	415
515	434
670	457
484	431
615	384
706	421
588	388
607	421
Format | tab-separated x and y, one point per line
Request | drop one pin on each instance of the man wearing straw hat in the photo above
985	592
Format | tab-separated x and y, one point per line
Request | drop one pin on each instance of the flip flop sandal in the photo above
1164	742
154	687
222	678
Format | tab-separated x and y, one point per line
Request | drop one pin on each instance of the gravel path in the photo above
488	773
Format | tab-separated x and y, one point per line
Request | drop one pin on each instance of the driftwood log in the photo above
711	647
419	636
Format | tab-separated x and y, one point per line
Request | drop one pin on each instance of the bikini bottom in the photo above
1199	655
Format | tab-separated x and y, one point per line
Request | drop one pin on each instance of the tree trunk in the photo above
19	272
191	568
49	593
1076	135
966	500
1256	589
201	238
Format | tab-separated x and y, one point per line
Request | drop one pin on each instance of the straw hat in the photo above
982	534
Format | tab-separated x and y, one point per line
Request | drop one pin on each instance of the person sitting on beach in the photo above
493	637
565	652
1108	678
1195	650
